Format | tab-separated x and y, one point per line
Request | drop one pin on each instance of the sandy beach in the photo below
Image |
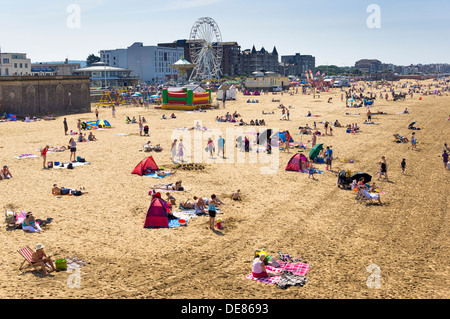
407	238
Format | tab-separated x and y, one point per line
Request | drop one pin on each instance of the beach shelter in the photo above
91	125
157	214
282	136
357	176
295	162
12	117
147	164
314	152
103	124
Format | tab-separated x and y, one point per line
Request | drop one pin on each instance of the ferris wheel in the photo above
205	49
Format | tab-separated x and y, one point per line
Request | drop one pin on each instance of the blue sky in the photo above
335	32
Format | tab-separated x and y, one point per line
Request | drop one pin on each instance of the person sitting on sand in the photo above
5	173
170	199
259	268
337	124
40	258
252	122
91	137
200	206
29	224
173	116
147	147
237	195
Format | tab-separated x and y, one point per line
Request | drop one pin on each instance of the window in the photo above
15	66
6	61
26	65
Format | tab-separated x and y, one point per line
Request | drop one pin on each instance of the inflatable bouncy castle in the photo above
185	99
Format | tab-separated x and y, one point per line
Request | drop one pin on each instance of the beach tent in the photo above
229	90
157	214
282	136
357	176
295	162
146	164
315	151
92	125
103	123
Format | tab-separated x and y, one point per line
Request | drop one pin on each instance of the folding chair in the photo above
364	195
27	254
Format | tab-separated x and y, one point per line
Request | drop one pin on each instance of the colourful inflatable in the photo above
185	100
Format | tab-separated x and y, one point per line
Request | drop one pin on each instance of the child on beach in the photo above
403	165
311	171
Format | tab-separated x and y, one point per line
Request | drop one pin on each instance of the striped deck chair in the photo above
27	254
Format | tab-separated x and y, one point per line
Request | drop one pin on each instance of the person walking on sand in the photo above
66	127
73	150
403	166
141	127
96	113
288	140
314	140
383	169
113	111
221	146
181	149
413	141
329	158
445	159
173	150
210	147
44	156
212	210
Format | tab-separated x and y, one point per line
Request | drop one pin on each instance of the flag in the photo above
318	73
323	74
307	76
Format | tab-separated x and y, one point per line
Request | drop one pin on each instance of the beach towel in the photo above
173	223
297	269
74	164
154	175
75	263
288	279
22	156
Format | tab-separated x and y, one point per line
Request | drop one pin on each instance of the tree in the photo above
91	59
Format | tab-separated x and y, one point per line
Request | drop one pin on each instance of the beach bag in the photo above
50	164
70	166
76	192
61	264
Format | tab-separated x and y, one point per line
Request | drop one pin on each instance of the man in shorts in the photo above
329	157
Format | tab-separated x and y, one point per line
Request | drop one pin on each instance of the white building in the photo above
150	63
14	64
103	75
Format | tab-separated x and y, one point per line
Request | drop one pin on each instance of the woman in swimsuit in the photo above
39	257
212	211
73	149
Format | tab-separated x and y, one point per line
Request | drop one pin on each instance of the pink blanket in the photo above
298	269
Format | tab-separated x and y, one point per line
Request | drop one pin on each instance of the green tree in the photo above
91	59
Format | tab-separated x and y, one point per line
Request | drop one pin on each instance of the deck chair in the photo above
364	195
27	254
10	218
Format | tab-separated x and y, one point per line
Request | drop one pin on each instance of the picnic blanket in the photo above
26	156
74	164
297	269
173	223
75	263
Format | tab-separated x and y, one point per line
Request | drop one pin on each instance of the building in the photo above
267	81
14	64
231	58
148	63
103	75
41	95
64	68
262	60
369	66
297	64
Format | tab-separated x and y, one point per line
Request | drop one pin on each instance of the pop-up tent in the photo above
91	125
146	165
157	214
103	124
282	136
295	162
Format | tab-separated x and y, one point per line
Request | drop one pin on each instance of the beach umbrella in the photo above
357	176
314	152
